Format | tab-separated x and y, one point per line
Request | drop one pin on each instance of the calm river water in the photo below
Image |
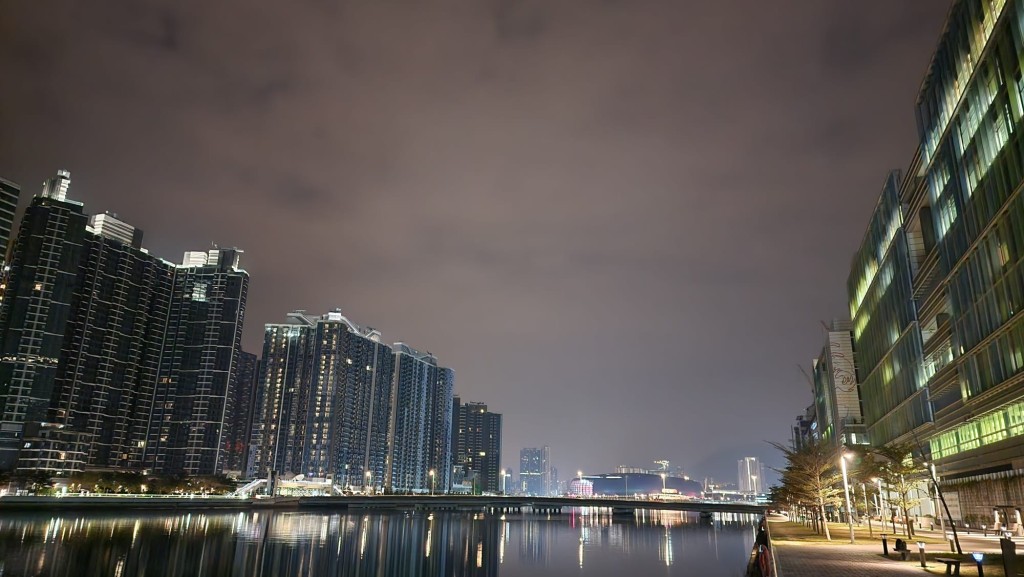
263	544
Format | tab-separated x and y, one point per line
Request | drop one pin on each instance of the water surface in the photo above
584	542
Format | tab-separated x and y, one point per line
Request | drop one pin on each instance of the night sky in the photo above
620	222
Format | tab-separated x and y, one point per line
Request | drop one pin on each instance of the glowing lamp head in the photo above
978	556
920	545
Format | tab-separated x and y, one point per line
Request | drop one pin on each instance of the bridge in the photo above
515	504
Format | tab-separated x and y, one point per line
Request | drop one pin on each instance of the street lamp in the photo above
978	556
433	477
846	490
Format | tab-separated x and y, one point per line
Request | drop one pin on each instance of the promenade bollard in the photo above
977	559
984	530
952	544
885	545
920	549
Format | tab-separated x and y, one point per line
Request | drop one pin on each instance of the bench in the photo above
950	564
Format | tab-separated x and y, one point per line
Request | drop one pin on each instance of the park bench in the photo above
950	564
901	548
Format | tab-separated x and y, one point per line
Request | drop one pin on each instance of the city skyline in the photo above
714	222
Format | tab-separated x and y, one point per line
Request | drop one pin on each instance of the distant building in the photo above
805	428
581	487
751	475
476	446
111	357
535	471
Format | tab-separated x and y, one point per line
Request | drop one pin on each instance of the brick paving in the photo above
797	559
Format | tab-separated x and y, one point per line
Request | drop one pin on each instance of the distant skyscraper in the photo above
751	475
9	193
94	329
535	470
476	442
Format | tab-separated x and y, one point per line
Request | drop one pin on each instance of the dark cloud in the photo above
620	222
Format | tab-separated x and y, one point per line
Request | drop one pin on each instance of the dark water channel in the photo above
586	542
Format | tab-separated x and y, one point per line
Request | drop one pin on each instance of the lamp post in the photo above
846	490
920	549
433	477
369	480
663	482
978	556
503	481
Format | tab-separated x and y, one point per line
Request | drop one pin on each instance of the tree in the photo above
894	464
812	478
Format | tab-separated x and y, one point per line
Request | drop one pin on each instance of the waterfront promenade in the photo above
799	553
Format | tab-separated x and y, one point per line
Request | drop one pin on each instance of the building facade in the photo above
9	195
938	281
969	113
335	402
421	422
95	349
476	446
751	476
836	395
535	471
242	390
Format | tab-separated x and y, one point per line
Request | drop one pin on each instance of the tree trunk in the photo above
907	522
824	521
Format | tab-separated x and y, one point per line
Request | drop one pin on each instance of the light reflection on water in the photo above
587	542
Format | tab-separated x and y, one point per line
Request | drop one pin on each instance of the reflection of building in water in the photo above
536	539
268	544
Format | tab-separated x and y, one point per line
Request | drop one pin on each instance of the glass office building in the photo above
937	287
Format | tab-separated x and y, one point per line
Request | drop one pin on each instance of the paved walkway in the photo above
795	559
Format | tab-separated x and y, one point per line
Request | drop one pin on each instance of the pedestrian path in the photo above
795	559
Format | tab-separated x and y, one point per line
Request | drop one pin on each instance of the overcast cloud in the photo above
620	222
